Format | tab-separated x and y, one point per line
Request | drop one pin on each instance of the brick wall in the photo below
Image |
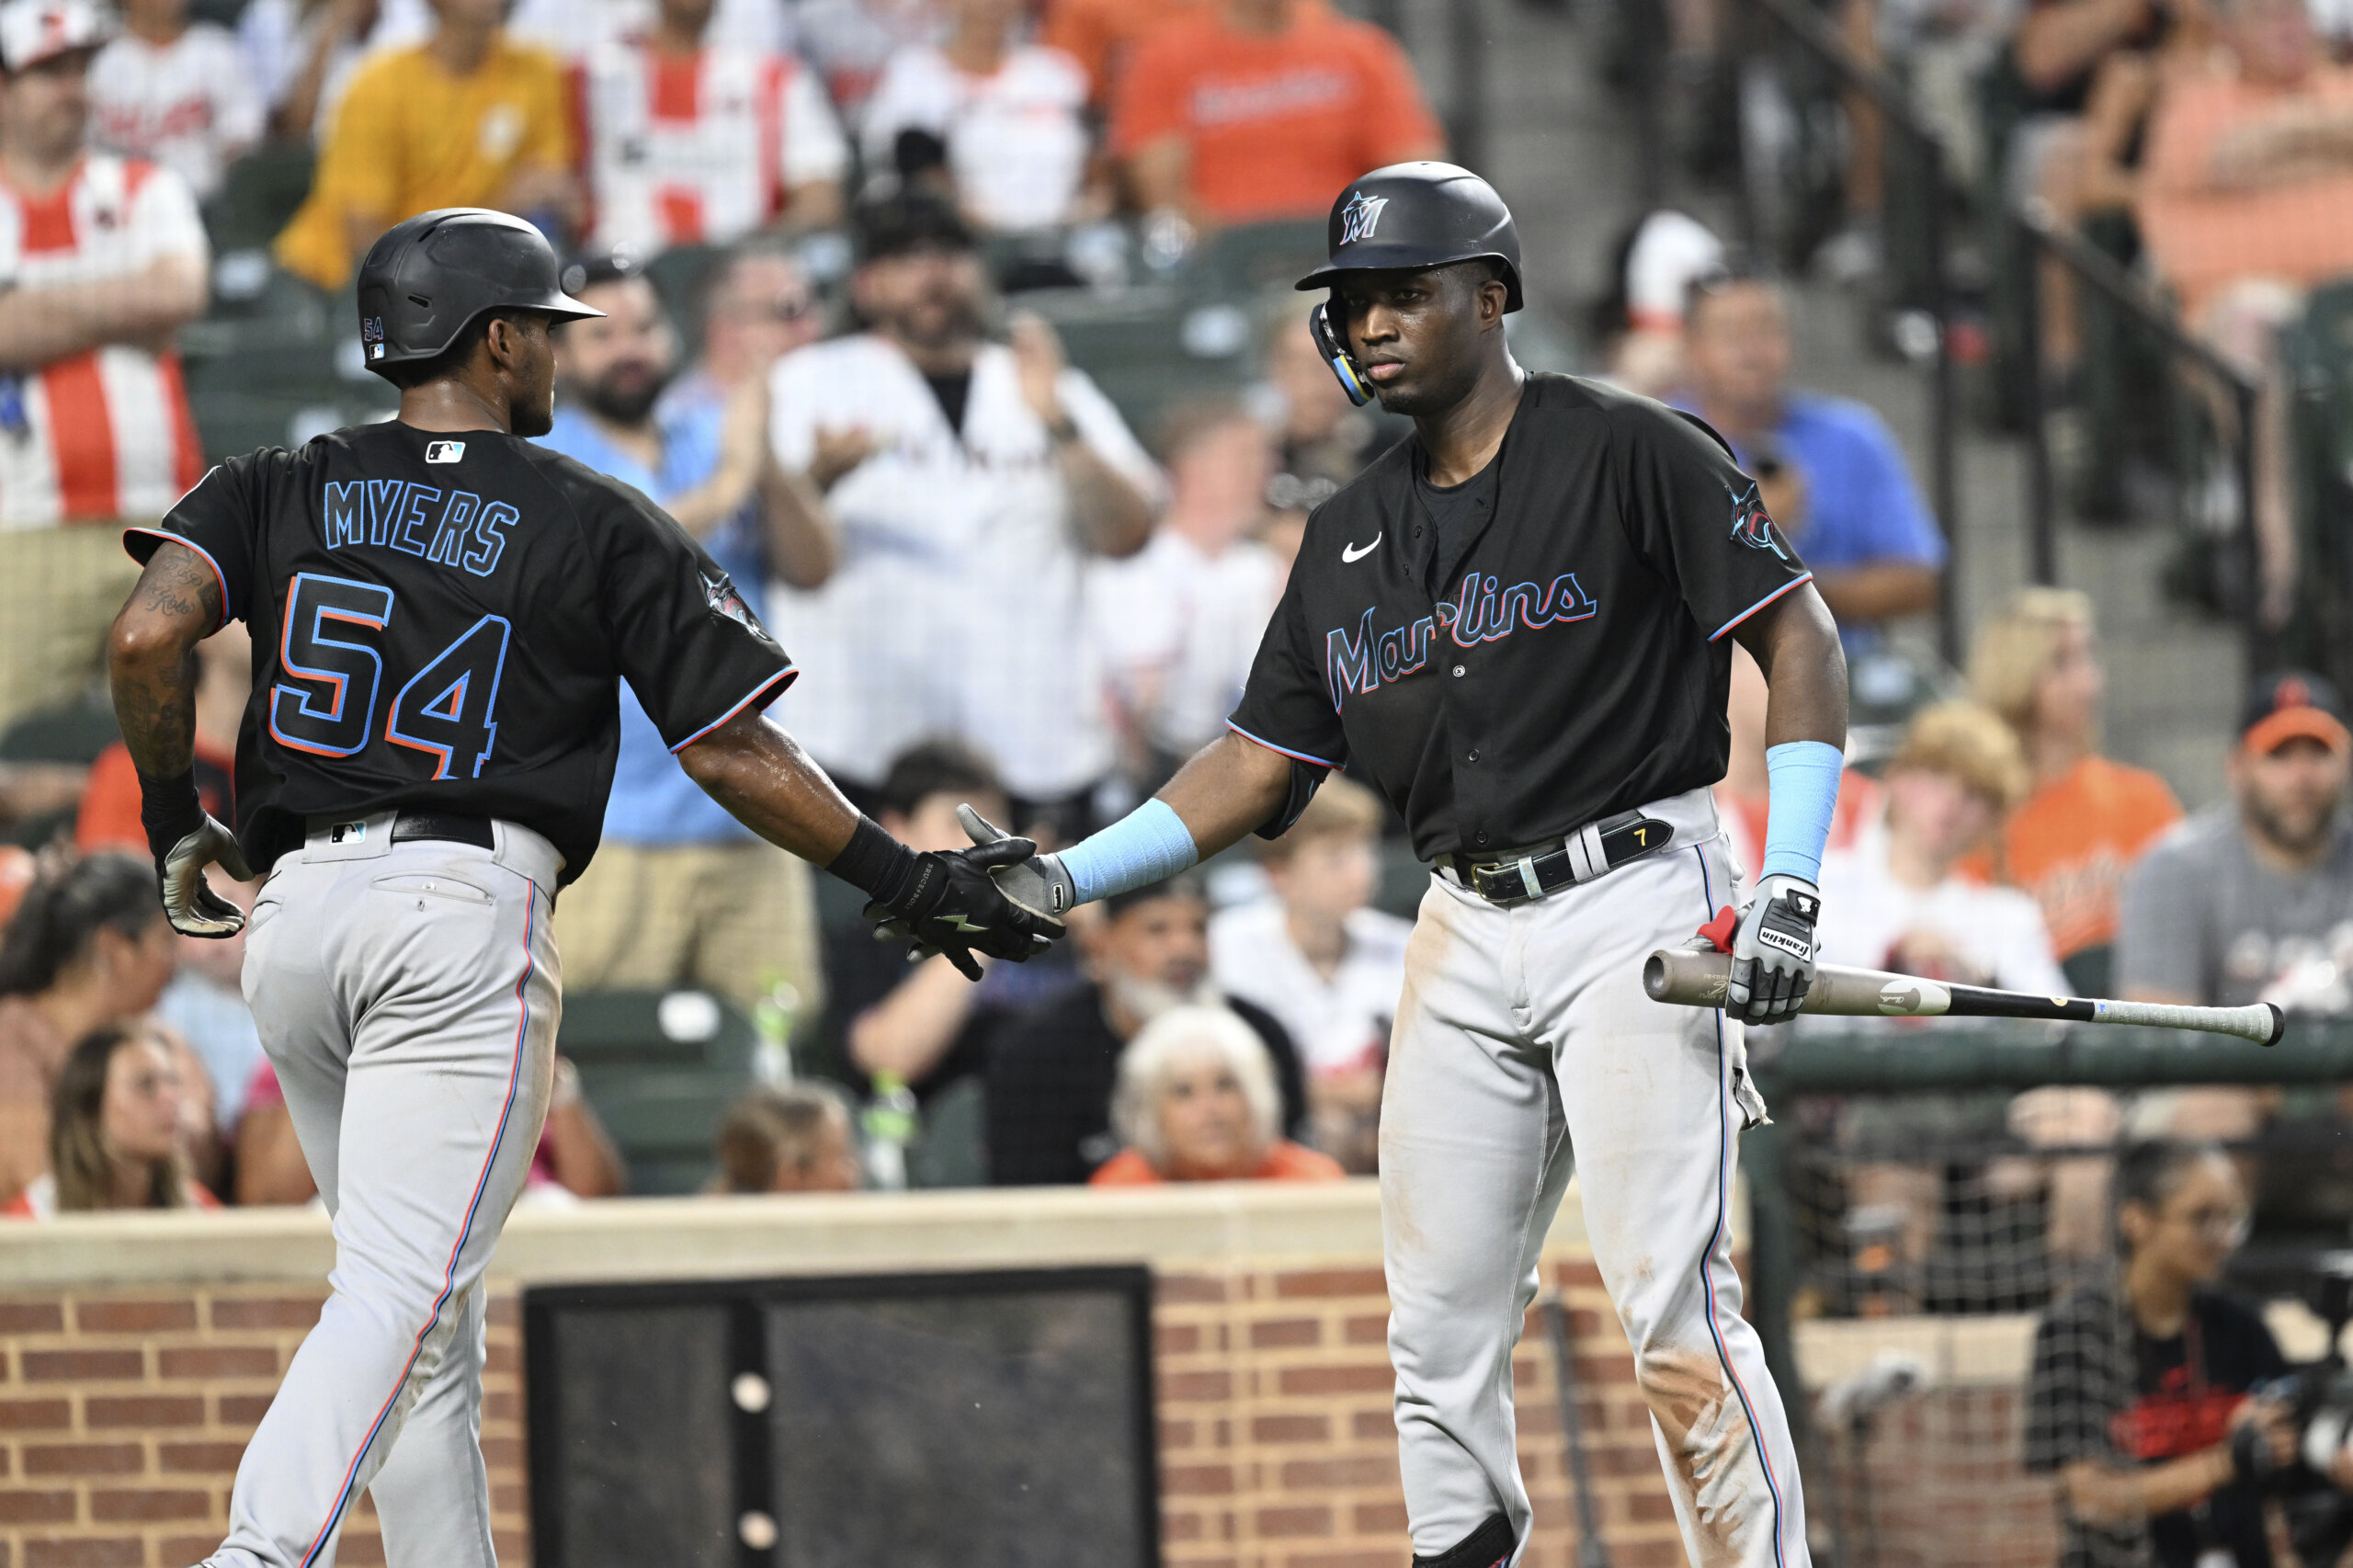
122	1416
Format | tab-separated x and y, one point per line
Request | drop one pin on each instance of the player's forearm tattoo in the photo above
176	605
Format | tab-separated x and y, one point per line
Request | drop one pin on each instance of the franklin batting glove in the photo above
1037	884
1773	951
184	841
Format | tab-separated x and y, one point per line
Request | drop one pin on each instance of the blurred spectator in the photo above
2059	46
689	143
574	1158
924	1024
1890	900
683	893
1051	1071
575	29
103	258
971	480
1101	34
1178	622
1326	965
205	1006
116	1131
89	948
1196	1101
849	40
793	1138
1010	115
1744	800
1637	326
109	818
2087	819
1321	440
174	93
2252	900
299	56
2140	1382
1241	111
467	118
1827	470
2247	200
758	305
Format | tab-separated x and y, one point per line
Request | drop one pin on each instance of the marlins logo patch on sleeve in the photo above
726	603
1752	525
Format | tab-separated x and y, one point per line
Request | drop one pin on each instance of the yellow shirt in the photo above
411	137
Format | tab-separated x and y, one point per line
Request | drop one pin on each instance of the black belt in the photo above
409	826
1593	851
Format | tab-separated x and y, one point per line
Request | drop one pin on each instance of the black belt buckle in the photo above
1629	836
1503	882
410	826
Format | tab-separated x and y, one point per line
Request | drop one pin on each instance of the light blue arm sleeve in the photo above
1149	844
1804	782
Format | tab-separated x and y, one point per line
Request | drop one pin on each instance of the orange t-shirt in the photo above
1744	818
1285	1161
1277	126
2203	235
1099	34
109	818
2073	841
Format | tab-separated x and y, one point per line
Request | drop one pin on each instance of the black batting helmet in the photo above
429	276
1419	215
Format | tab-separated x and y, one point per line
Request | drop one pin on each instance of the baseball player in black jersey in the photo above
441	614
1515	624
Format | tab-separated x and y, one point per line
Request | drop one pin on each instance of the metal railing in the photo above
1809	28
2095	270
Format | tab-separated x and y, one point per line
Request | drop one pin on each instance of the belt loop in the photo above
1584	864
1597	859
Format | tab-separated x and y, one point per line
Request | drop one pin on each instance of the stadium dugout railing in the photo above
1914	1360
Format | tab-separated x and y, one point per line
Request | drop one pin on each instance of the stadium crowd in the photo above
847	403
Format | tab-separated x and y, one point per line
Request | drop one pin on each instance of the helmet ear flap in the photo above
1335	351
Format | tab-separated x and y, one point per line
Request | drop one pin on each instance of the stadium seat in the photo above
1151	348
1254	257
660	1068
276	361
2319	357
259	195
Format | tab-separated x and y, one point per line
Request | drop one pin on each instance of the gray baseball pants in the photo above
407	996
1523	1035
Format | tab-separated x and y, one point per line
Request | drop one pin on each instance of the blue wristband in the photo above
1149	844
1804	785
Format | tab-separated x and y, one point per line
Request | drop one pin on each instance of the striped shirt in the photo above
105	433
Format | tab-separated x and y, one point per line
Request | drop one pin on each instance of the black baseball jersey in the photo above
1573	663
440	622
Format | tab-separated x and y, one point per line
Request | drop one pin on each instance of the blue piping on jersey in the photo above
1283	751
783	677
1760	603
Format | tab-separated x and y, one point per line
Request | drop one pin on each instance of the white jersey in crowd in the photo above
1017	143
107	433
701	150
1339	1025
1178	629
187	105
958	605
570	29
1996	934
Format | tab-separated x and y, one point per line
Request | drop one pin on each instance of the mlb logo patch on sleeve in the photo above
444	451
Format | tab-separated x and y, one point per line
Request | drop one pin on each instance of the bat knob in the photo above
2278	1024
1654	976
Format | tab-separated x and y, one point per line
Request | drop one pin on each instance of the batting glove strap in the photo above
886	869
1773	951
184	841
169	810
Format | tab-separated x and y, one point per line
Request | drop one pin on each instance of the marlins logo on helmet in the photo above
1361	216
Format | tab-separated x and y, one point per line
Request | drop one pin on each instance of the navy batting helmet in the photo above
431	276
1417	215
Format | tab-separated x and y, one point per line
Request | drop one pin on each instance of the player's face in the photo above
616	365
1417	334
48	105
524	353
139	1115
1205	1121
2291	793
1328	877
1736	347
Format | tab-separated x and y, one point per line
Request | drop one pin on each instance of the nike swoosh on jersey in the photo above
1350	554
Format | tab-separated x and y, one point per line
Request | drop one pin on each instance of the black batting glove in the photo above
184	841
948	903
1773	951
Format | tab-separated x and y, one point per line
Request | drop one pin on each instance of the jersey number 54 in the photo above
329	648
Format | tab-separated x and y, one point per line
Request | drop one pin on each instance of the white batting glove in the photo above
194	909
1773	951
1037	885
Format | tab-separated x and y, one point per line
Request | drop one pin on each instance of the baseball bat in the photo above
1696	977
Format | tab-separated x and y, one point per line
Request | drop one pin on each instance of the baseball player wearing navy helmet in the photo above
441	614
1516	624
